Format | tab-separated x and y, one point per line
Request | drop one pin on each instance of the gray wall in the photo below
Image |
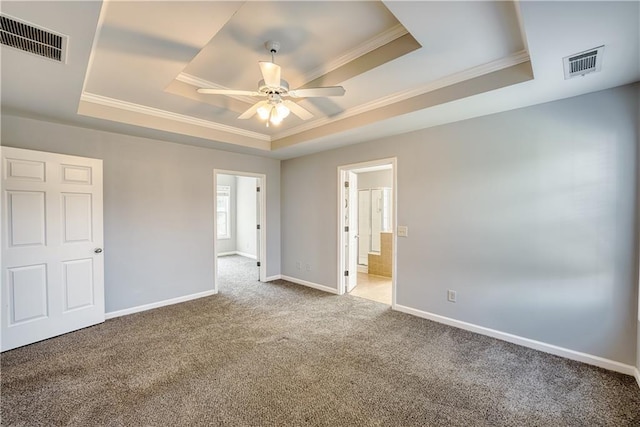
229	245
246	215
529	215
158	207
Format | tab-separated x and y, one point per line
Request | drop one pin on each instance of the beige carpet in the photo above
280	354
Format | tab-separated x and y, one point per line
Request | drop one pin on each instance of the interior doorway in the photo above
366	237
239	226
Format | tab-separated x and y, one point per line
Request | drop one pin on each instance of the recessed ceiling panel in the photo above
311	35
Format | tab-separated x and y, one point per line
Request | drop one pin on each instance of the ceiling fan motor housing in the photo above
283	89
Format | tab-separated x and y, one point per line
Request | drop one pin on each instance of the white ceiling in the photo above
133	67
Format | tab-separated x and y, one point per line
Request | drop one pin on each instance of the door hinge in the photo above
258	189
258	263
258	226
346	273
346	184
346	228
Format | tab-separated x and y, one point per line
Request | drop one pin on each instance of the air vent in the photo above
579	64
32	39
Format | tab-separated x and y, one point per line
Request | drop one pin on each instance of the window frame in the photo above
223	191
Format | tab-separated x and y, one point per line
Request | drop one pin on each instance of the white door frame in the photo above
262	180
342	174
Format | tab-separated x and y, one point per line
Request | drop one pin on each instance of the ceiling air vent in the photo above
579	64
32	39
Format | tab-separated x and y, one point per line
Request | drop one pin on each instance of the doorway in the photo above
239	227
366	224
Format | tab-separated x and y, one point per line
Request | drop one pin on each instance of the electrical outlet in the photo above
403	231
298	265
307	267
451	296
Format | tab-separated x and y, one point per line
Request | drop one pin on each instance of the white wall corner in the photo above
145	307
310	284
272	278
601	362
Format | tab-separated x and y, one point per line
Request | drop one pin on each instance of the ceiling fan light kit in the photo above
274	109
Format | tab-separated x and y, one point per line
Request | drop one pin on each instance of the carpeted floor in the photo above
280	354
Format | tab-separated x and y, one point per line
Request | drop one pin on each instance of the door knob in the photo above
97	250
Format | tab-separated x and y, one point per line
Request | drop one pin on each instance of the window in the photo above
223	212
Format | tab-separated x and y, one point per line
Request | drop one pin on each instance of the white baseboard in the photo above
601	362
246	255
227	253
363	268
153	305
272	278
637	375
309	284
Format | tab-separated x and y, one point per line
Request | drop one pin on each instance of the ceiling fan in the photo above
276	106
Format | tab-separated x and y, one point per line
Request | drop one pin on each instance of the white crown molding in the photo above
370	45
156	112
198	82
509	61
471	73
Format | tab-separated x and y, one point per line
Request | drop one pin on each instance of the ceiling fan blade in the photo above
270	73
297	110
252	110
313	92
211	91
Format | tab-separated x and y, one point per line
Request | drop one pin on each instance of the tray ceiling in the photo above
134	67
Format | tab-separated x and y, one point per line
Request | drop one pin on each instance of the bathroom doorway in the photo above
367	241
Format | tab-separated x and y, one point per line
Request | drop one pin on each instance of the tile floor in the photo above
376	288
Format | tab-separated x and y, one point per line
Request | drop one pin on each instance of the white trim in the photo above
601	362
227	253
246	255
480	70
163	114
471	73
363	268
171	301
272	278
370	45
637	375
309	284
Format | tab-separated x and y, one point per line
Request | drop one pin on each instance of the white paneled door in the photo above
52	260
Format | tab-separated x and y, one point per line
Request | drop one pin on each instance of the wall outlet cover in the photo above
451	296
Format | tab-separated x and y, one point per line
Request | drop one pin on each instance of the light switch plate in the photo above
403	231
